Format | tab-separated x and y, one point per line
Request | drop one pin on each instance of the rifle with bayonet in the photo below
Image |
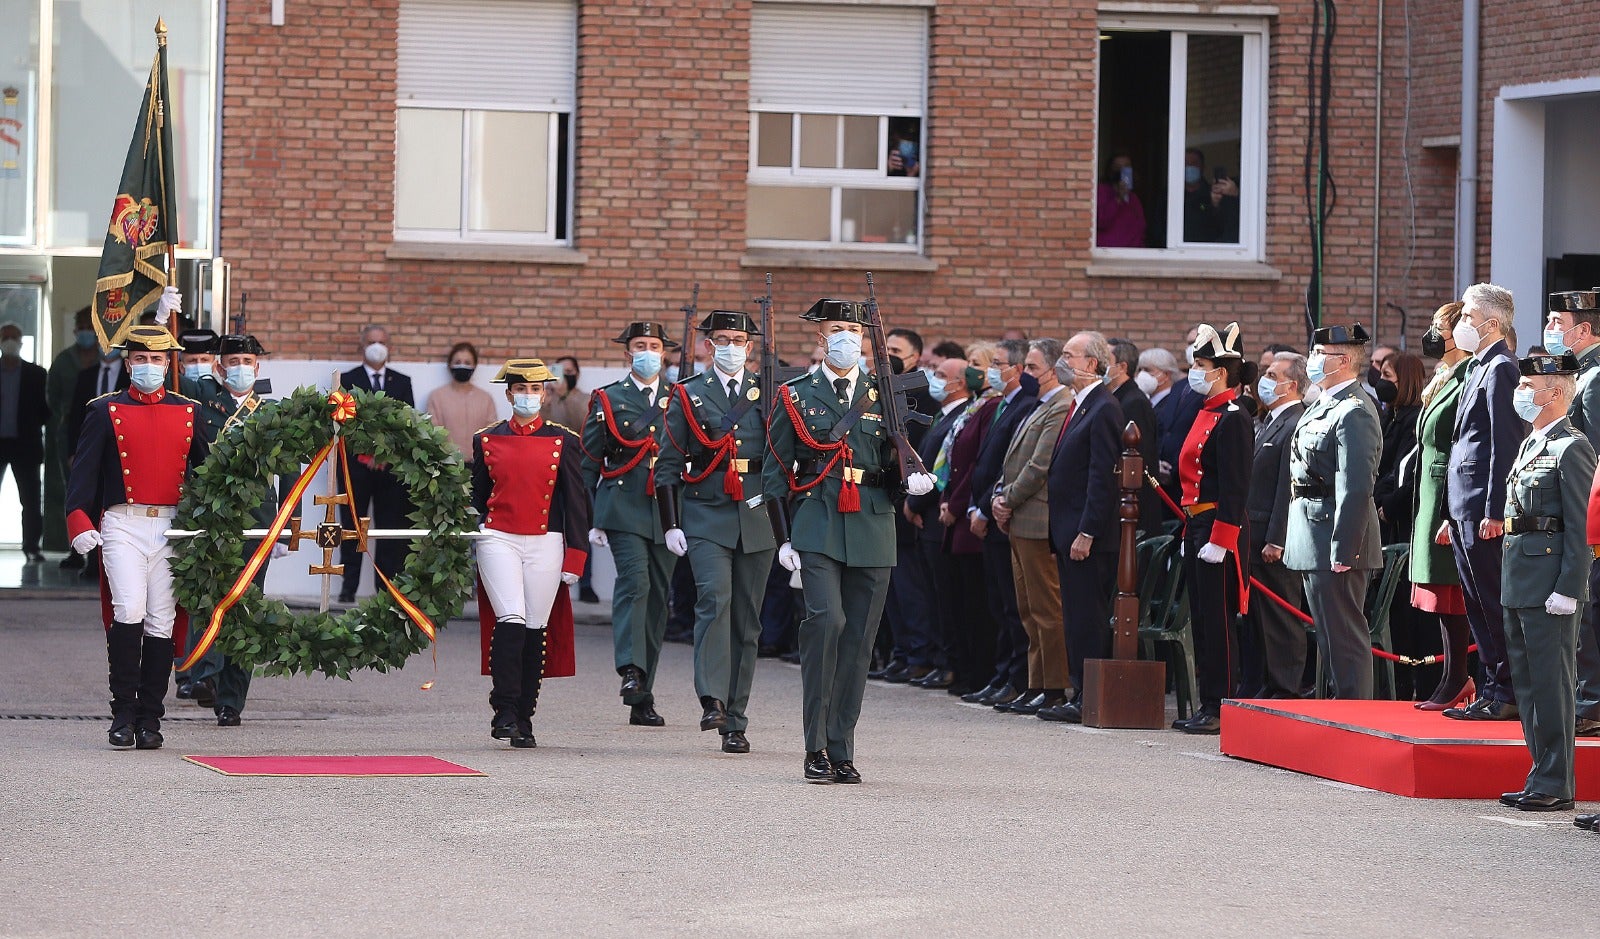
686	350
897	411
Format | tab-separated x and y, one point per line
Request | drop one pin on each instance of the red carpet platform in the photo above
332	766
1392	747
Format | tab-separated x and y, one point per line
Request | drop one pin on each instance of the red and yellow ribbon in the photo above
406	606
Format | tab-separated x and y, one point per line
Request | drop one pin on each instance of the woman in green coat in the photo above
1436	587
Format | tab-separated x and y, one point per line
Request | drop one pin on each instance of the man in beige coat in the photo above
1022	510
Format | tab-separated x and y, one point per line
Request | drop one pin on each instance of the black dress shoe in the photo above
1067	712
734	742
792	657
1006	693
205	693
680	636
818	769
909	675
1509	799
644	715
227	717
185	690
844	771
34	557
976	697
523	738
1204	722
72	562
1036	704
346	597
714	718
1587	822
120	737
1539	802
147	739
1026	695
939	678
893	665
1586	728
770	652
1484	709
504	724
587	595
632	680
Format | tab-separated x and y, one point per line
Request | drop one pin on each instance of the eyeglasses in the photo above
723	342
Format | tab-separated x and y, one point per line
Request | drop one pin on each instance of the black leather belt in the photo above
1527	523
873	478
1310	490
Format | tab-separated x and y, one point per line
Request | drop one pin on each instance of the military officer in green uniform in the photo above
831	455
1333	521
716	438
622	440
1545	575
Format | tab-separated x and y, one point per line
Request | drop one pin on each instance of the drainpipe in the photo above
1467	171
1377	181
219	305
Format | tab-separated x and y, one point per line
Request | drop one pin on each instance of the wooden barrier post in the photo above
1122	691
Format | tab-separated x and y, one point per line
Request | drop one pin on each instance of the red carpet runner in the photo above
332	766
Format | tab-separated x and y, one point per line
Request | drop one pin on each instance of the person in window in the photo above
1119	215
903	157
1210	212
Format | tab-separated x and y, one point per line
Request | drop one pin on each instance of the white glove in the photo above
1340	568
87	542
570	579
171	302
1558	605
920	484
789	557
598	538
1212	553
280	550
676	542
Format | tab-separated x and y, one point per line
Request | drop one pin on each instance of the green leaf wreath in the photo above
263	633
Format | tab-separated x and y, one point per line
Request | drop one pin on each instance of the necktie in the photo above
1071	409
377	381
105	379
1000	408
733	389
649	394
842	387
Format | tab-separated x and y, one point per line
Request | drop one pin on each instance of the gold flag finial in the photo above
161	31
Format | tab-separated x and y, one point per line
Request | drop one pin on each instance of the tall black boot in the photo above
533	655
505	673
155	667
122	654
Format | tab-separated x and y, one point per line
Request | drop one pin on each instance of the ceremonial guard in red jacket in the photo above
1214	468
133	456
527	485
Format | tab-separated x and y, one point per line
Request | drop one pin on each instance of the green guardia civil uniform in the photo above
730	540
622	439
1547	552
845	556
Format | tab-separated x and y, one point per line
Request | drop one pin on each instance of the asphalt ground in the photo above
969	822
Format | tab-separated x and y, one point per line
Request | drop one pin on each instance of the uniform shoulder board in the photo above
558	424
109	394
487	427
798	379
180	399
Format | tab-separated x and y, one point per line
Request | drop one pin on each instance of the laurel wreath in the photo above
261	632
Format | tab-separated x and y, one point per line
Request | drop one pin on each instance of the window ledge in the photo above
1182	269
1192	8
837	260
461	251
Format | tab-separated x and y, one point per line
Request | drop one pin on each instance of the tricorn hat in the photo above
647	330
1564	364
844	311
1575	301
149	339
1352	335
235	344
729	319
1216	346
516	371
198	341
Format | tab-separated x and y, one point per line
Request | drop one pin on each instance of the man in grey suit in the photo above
1333	522
1272	646
1545	575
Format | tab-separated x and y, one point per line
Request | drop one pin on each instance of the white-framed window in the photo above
837	97
1182	137
483	121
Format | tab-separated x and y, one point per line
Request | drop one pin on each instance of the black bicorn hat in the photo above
1575	301
198	341
1352	335
1564	364
149	339
844	311
647	330
1215	346
729	319
237	344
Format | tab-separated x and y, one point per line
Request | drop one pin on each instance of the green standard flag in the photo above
142	227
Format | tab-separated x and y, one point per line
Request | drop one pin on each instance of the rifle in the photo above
896	410
686	351
772	374
239	320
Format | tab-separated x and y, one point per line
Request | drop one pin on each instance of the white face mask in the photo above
844	349
240	378
525	405
729	358
147	376
1267	390
1467	337
1198	380
376	354
10	348
1147	383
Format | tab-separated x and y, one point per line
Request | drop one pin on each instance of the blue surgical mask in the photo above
147	376
1522	401
1555	341
1191	175
938	389
672	374
647	365
1198	380
525	405
863	364
194	370
729	358
85	338
1315	365
844	350
995	379
1267	391
240	378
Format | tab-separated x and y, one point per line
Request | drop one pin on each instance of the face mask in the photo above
995	379
1374	375
376	354
1555	341
1028	384
571	380
1191	175
85	338
1198	380
1063	372
728	358
896	366
646	365
525	405
1147	383
240	378
194	371
672	374
11	347
1267	391
844	350
1314	367
1522	400
1433	343
938	389
1467	337
462	373
147	376
1386	390
863	364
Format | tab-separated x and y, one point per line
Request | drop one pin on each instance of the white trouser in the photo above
135	557
521	574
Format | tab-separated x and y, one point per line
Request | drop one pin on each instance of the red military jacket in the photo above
134	448
527	479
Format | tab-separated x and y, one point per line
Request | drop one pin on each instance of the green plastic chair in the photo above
1164	633
1396	558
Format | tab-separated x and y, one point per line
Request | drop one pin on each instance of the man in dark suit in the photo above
1083	500
1019	395
1176	406
23	414
1272	645
1136	409
108	376
373	485
909	607
1488	435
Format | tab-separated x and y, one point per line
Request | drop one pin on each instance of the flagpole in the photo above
166	197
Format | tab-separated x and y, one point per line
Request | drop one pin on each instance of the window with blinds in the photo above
485	91
837	95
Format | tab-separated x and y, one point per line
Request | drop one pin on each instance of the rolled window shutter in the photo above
486	54
838	59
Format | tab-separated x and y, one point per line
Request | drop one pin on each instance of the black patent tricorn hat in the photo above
235	344
1575	301
1564	364
647	330
198	341
1352	335
729	319
844	311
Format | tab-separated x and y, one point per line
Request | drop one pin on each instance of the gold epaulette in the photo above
562	426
